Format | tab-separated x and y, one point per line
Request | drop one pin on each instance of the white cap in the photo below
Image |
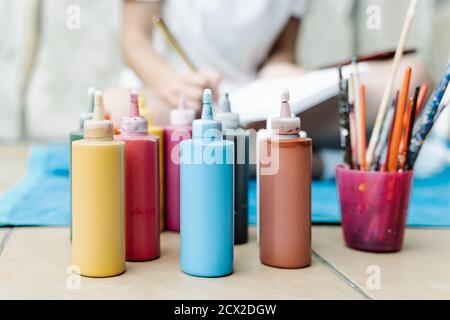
285	124
98	127
230	120
182	116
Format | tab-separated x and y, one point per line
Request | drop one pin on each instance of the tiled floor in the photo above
35	263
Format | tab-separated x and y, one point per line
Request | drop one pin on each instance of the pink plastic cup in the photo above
374	207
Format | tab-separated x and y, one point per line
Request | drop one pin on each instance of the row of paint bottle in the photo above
169	138
97	157
209	186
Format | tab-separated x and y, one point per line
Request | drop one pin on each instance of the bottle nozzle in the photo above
182	102
285	95
134	124
134	104
143	109
207	127
99	109
207	104
286	124
226	105
181	115
91	94
98	127
229	120
141	101
285	110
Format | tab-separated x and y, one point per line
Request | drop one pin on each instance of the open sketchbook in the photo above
261	98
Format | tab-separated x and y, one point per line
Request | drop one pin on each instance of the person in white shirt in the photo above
231	42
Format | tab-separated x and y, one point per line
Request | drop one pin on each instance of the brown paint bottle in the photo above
285	193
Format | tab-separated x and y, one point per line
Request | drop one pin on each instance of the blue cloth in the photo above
42	198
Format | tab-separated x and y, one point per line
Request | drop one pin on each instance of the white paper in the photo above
261	99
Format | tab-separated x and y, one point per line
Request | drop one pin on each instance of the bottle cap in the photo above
206	127
88	115
229	119
144	112
91	95
134	124
182	116
83	118
98	127
285	124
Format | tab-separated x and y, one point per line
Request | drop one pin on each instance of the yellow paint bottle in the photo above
98	198
157	132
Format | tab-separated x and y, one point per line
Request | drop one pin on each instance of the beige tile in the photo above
420	271
13	160
35	261
3	232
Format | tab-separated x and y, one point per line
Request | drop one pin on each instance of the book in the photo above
260	99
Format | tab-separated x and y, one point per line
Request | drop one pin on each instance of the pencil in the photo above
362	138
159	22
391	131
384	106
392	161
421	99
406	117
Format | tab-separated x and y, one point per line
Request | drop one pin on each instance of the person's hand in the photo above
281	69
171	86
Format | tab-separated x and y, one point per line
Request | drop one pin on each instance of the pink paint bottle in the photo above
142	186
180	129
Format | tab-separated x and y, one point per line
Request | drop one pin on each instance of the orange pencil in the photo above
362	139
353	139
406	118
391	129
392	162
421	99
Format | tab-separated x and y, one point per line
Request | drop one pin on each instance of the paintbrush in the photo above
159	22
384	106
428	119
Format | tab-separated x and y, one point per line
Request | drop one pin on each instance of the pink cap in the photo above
181	115
134	124
134	106
286	124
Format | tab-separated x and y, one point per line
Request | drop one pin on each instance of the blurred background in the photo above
46	66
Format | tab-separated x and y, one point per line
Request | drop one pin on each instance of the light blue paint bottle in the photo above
206	198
